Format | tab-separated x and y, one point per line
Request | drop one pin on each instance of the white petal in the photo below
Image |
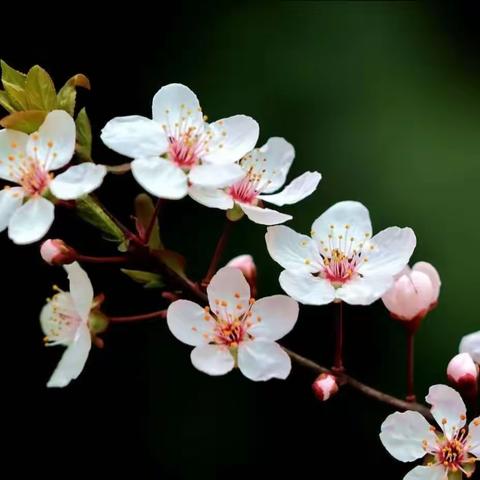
471	344
135	136
212	359
392	249
81	289
366	290
404	434
160	177
211	197
78	180
73	359
230	139
296	190
349	219
228	291
270	163
474	437
264	216
54	143
292	250
306	288
13	146
261	360
448	408
216	176
436	472
273	317
176	108
31	221
10	200
190	323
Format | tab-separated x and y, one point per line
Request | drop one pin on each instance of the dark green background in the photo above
383	98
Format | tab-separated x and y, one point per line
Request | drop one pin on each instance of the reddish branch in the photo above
143	316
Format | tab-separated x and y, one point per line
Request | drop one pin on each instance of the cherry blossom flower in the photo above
265	171
471	344
64	321
414	293
448	453
462	372
341	261
28	161
177	152
234	330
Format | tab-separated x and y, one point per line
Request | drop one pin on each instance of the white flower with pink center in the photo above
265	172
448	453
64	321
341	261
234	330
177	152
28	160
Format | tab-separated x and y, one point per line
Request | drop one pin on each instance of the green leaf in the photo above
174	260
5	101
147	279
90	210
16	95
83	146
12	76
67	95
144	210
40	90
28	121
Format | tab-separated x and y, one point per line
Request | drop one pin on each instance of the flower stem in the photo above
410	366
90	259
149	229
135	318
338	363
217	255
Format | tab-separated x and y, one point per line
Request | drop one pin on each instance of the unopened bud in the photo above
463	373
57	252
325	386
247	266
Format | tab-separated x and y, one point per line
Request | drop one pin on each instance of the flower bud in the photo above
56	252
463	373
247	266
414	293
325	386
471	344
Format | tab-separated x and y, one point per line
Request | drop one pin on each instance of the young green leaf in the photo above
83	146
173	260
40	90
144	210
5	102
67	95
28	121
147	279
12	76
16	95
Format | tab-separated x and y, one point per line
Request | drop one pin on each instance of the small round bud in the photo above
247	266
325	386
57	252
462	372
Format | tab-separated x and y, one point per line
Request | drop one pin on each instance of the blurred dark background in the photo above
383	98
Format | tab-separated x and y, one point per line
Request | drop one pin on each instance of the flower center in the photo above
342	255
34	179
452	453
185	151
244	191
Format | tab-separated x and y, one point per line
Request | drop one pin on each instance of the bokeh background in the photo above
383	98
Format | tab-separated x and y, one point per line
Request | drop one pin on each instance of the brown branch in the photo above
361	387
135	318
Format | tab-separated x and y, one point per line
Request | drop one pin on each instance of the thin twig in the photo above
135	318
91	259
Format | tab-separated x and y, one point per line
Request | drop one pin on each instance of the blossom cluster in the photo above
177	153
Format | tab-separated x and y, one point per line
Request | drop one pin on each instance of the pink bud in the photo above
471	344
414	293
325	386
463	373
56	252
246	264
